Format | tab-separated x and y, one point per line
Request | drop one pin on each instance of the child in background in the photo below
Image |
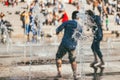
107	22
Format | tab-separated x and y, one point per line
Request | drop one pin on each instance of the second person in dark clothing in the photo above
98	35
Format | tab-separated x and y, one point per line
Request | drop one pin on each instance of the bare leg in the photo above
101	66
74	68
95	57
95	60
102	61
28	39
93	47
34	38
59	67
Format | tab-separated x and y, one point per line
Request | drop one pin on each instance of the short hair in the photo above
90	12
75	15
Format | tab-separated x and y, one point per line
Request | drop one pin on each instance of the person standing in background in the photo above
64	16
107	22
27	22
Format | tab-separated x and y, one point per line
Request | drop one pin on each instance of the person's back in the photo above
68	43
69	29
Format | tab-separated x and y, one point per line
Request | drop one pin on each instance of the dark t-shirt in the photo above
98	33
69	29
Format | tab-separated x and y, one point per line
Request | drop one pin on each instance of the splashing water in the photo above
90	22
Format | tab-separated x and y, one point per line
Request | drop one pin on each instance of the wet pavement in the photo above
38	62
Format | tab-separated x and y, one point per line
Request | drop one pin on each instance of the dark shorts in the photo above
62	50
96	48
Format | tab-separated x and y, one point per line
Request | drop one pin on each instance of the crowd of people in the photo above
9	2
52	14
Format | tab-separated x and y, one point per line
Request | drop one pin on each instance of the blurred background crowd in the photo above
38	13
